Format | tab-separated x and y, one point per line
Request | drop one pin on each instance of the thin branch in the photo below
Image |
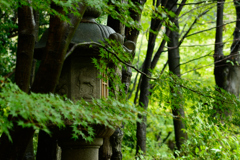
194	3
159	51
180	42
183	29
194	59
134	85
129	65
165	139
138	88
104	47
185	35
180	7
227	57
100	45
197	68
168	31
211	28
196	45
202	94
13	35
190	28
165	65
212	3
196	9
9	74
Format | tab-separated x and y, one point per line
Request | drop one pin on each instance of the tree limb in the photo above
104	47
212	28
226	58
189	29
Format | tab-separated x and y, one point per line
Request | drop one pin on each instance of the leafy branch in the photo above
106	48
40	111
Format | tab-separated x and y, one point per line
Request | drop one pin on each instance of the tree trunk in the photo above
145	84
174	68
59	38
227	75
221	68
29	155
232	86
47	147
116	142
132	33
148	64
218	52
168	31
26	42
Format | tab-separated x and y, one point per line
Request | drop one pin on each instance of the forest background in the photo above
186	59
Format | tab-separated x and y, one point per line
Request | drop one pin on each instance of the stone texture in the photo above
80	150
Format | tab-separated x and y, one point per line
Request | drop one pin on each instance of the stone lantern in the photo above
79	79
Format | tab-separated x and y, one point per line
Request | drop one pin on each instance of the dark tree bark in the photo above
105	151
132	33
47	147
29	155
232	84
16	149
145	84
150	64
218	51
221	69
115	23
59	38
227	75
168	31
174	68
26	42
116	142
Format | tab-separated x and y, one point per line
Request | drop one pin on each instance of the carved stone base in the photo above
79	149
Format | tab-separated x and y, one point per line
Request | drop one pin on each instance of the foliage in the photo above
8	46
217	135
43	110
210	135
210	141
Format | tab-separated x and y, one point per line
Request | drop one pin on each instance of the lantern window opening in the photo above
104	86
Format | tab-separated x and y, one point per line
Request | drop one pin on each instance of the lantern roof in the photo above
87	31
